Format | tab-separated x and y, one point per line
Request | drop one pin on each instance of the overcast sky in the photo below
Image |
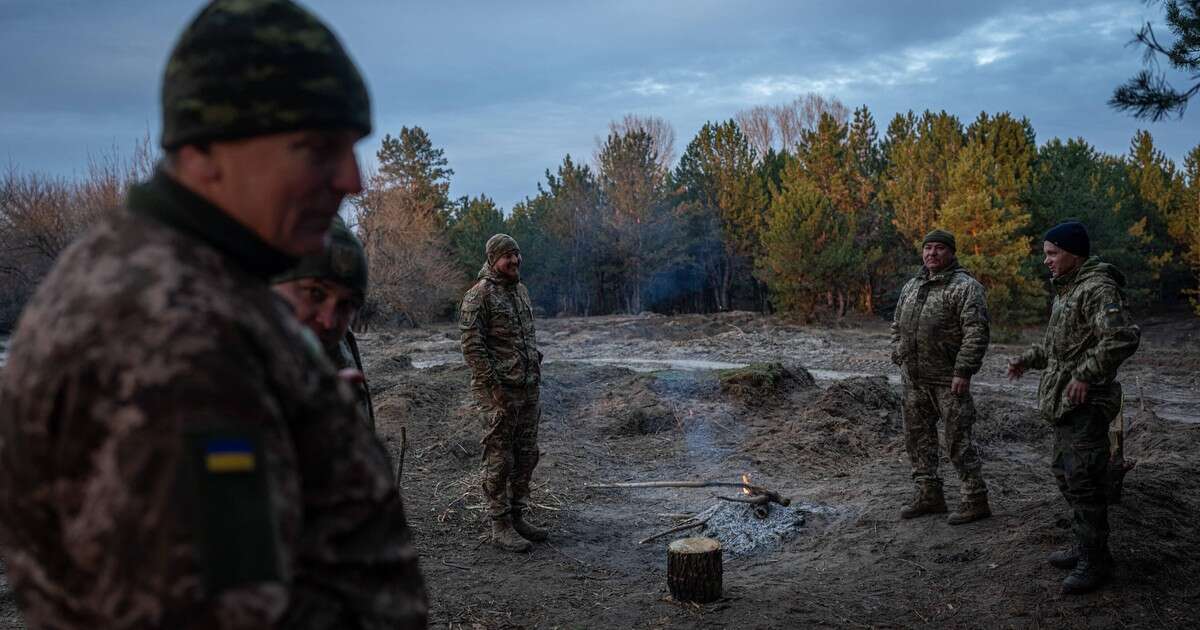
509	88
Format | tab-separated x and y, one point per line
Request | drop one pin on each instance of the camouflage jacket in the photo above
346	355
496	330
177	452
1089	336
940	329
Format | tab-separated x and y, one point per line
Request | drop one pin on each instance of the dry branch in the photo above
695	521
752	489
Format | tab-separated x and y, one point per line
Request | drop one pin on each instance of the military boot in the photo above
507	538
970	509
527	530
1093	569
927	500
1064	558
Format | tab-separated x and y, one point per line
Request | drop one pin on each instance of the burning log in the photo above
752	490
761	503
694	570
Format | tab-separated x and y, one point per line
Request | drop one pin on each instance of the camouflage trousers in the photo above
1081	469
510	450
924	406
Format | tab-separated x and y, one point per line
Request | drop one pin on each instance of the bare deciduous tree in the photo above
413	274
40	216
661	133
781	127
758	126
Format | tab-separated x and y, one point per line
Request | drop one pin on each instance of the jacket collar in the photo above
169	202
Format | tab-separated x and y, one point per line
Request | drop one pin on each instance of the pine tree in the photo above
986	212
722	189
807	244
918	154
411	162
634	187
472	221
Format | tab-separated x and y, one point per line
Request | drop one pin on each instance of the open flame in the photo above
745	480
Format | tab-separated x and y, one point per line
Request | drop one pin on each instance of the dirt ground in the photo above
646	398
817	418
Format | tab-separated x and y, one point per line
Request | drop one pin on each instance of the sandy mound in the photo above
761	382
850	420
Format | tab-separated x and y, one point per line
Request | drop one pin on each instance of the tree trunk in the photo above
694	569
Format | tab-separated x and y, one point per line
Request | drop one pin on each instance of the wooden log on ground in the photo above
694	570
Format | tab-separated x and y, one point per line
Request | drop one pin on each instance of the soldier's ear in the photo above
196	165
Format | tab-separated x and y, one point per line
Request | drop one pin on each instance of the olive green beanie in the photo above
254	67
940	236
344	262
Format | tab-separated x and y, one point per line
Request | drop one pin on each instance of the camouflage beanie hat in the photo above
253	67
499	245
344	262
940	236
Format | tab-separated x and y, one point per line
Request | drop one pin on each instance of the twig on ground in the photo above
696	521
774	496
761	499
403	448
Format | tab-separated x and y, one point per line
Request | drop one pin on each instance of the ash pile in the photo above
744	530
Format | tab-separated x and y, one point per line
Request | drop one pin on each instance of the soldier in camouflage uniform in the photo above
500	347
325	291
939	336
175	449
1089	336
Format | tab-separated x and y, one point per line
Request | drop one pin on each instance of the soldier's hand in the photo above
1077	392
352	376
960	385
498	397
1015	369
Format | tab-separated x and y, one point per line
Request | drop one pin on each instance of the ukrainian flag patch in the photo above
229	456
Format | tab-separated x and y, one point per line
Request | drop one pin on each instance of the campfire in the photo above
753	518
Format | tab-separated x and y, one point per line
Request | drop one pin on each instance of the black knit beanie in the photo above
1071	236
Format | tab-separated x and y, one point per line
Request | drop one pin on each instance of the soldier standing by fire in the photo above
1090	334
175	449
939	336
499	345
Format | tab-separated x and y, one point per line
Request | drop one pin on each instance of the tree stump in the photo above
694	569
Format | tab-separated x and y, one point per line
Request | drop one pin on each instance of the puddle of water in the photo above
436	360
836	375
1178	413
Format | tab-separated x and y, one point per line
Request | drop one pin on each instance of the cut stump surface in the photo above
694	569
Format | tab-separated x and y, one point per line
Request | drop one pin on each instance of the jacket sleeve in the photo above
976	330
897	357
113	502
1034	358
471	326
1117	338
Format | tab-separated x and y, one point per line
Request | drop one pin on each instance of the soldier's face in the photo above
323	306
287	187
936	256
1060	261
509	265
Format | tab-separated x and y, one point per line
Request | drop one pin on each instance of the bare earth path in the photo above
642	398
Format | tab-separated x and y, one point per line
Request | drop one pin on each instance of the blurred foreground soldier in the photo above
939	336
175	450
499	346
1089	336
325	291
